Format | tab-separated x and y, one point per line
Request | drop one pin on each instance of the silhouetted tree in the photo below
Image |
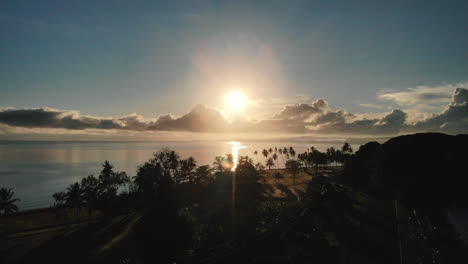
60	199
168	161
293	168
346	148
223	163
331	155
281	153
203	174
187	169
265	154
7	202
292	152
269	163
74	197
286	153
346	153
318	158
110	181
91	192
275	158
246	196
148	180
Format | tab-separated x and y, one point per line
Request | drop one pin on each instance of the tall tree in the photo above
286	153
148	180
168	161
203	174
265	153
303	159
110	181
293	168
347	148
275	158
269	163
222	164
346	153
7	202
292	152
187	169
74	197
331	155
91	190
281	153
60	199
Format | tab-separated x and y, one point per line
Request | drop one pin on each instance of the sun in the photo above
235	101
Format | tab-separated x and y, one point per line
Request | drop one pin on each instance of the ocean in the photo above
37	169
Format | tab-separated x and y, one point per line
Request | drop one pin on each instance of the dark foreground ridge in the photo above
403	201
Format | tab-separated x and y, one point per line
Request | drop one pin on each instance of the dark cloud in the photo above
336	122
303	118
200	119
454	119
302	111
52	118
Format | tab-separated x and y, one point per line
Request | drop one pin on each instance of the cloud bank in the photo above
316	117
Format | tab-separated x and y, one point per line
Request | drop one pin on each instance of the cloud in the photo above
454	118
340	122
200	119
53	118
372	106
422	97
302	111
304	118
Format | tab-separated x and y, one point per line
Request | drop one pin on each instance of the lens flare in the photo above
235	101
235	146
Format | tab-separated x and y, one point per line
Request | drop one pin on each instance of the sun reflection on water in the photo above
235	147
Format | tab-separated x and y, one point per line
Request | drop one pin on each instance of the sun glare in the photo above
235	101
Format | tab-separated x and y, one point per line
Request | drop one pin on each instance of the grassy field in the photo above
285	186
25	231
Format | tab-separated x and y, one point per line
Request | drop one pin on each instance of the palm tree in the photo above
275	157
292	152
60	198
174	162
74	197
187	167
281	153
293	168
346	148
269	163
346	152
270	150
285	152
203	174
7	202
265	153
331	155
256	154
90	187
303	158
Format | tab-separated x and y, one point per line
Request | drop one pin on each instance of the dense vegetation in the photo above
363	207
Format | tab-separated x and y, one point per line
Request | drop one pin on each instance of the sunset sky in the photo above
145	70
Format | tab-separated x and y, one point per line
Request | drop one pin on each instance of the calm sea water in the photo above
36	170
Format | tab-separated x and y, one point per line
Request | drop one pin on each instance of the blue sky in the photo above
114	58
